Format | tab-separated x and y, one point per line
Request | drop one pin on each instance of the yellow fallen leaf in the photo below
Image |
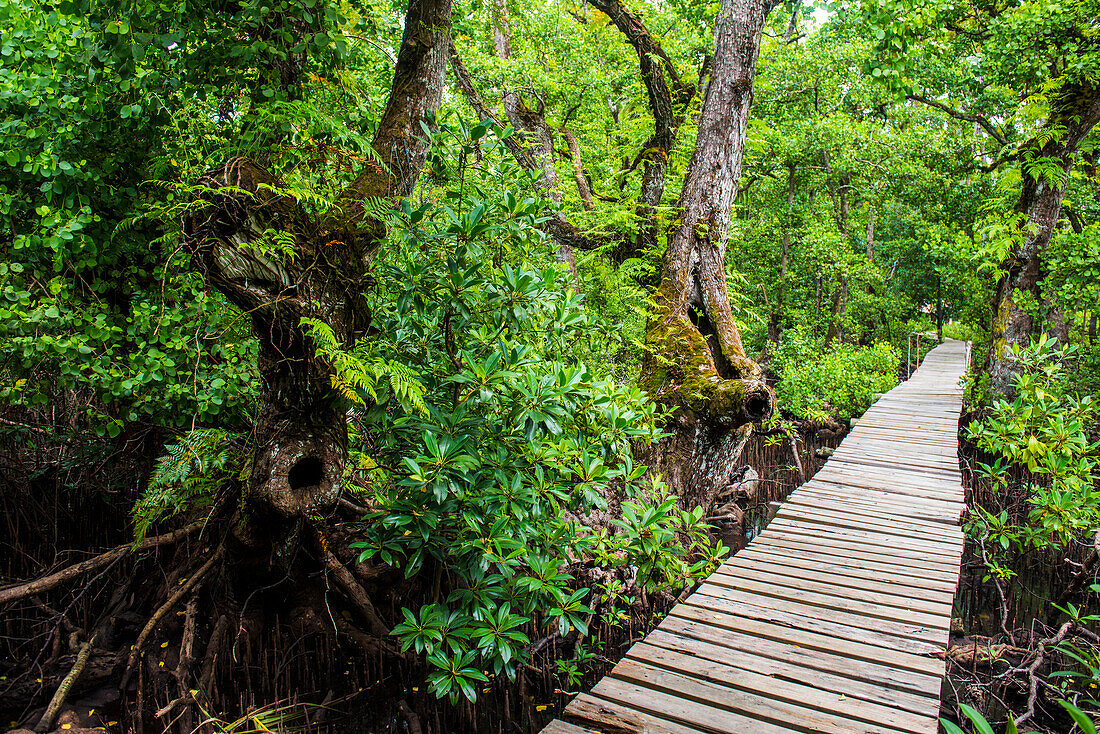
164	644
541	708
66	726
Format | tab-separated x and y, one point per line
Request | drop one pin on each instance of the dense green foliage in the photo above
495	428
840	383
1045	428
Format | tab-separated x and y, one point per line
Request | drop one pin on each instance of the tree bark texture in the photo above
1077	110
300	433
695	362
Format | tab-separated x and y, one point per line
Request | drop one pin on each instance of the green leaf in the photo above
981	724
950	727
1079	717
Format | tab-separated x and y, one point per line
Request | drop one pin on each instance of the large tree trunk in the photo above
300	433
695	362
1076	110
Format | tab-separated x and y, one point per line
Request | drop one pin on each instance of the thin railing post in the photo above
908	353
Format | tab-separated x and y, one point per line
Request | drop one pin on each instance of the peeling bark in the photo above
583	189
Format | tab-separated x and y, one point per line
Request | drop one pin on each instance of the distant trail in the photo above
836	617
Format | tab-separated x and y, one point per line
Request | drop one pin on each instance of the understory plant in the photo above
838	382
1043	428
500	464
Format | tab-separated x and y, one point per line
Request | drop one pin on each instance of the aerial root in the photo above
30	588
158	615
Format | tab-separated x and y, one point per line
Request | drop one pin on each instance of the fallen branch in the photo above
22	591
46	722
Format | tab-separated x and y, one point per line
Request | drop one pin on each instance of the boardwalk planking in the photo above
835	618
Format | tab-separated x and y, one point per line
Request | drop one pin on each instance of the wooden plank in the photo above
610	715
684	714
822	638
896	486
856	575
884	497
865	543
880	514
872	539
823	670
717	694
882	524
557	726
829	599
899	477
794	696
886	460
847	556
878	519
900	597
911	477
914	637
878	500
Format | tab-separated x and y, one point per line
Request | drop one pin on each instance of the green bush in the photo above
488	444
1045	429
839	383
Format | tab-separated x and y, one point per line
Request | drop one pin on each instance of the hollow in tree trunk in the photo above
300	433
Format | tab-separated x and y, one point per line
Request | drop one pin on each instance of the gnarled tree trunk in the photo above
300	433
695	362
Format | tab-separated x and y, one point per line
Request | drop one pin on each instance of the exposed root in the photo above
351	588
46	722
1032	670
410	717
21	591
158	615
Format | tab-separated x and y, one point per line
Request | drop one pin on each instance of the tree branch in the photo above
967	117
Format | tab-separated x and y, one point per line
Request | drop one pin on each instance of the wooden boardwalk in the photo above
833	619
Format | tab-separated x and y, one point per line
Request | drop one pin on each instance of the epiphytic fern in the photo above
359	372
187	476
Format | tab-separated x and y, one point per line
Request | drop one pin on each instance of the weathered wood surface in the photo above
834	618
